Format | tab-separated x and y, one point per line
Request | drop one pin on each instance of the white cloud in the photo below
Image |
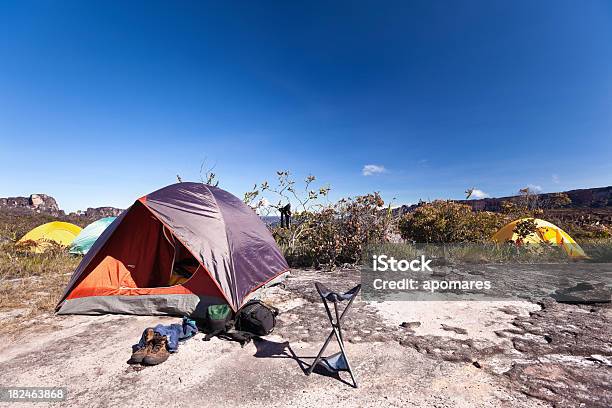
476	193
371	169
555	178
534	188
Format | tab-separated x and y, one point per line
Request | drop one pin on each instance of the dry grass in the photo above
30	284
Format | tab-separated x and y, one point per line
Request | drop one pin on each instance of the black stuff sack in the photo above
256	318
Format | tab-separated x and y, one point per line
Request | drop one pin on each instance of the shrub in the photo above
520	209
525	227
336	234
448	221
557	200
321	234
598	231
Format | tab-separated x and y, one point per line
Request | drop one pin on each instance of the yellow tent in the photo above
545	232
61	232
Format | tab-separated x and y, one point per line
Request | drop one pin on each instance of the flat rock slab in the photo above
559	353
88	355
583	293
395	366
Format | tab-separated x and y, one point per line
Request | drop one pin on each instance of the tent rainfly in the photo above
545	232
176	251
62	233
88	235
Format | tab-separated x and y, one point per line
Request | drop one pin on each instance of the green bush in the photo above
581	232
525	227
321	233
335	235
448	221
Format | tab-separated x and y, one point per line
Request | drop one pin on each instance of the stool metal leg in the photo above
348	364
341	343
316	361
337	319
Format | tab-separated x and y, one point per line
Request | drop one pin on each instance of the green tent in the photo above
88	235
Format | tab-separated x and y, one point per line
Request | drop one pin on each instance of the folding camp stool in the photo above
339	361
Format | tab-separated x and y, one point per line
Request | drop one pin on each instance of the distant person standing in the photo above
285	213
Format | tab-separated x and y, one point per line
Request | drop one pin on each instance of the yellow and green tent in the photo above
60	232
545	232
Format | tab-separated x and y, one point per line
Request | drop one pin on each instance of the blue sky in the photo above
102	102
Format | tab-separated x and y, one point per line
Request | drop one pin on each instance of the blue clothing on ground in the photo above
174	333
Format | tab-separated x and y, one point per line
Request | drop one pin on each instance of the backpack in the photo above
256	318
218	319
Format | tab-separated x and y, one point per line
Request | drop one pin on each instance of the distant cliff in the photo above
39	203
99	212
584	198
597	200
588	198
45	204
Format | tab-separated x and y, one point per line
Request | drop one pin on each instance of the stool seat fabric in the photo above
335	362
333	296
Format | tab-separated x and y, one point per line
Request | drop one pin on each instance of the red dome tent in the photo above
175	251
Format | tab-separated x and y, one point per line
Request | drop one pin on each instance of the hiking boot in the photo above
159	351
139	354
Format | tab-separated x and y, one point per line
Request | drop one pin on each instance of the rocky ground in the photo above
409	354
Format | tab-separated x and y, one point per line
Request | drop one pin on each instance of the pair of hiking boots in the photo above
155	351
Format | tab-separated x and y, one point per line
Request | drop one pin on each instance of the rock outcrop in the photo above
559	354
590	206
99	212
40	203
45	204
583	293
584	198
